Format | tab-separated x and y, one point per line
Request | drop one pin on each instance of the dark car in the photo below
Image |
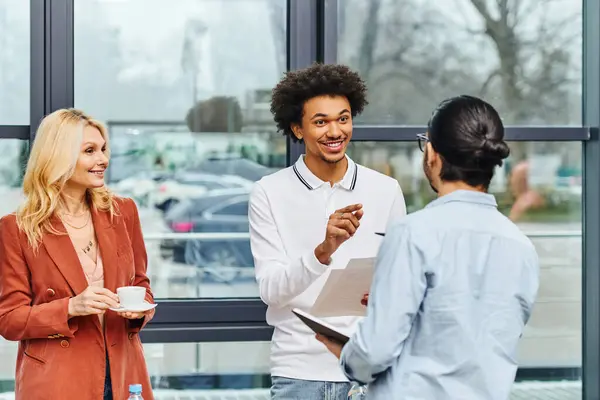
220	212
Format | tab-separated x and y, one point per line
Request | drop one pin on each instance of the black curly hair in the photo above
297	87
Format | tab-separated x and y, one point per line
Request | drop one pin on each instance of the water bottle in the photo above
135	392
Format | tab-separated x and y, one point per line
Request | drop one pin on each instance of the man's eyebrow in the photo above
321	115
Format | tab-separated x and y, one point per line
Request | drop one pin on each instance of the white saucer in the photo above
140	308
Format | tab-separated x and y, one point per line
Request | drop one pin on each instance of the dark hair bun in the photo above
468	133
493	150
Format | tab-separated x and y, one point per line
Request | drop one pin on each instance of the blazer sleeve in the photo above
140	259
19	319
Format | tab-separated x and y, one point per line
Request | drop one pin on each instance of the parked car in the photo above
190	184
221	211
140	183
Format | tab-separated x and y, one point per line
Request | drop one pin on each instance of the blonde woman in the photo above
63	254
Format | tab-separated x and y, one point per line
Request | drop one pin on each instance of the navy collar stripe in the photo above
344	181
353	184
301	178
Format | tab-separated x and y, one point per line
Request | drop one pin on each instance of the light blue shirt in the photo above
454	286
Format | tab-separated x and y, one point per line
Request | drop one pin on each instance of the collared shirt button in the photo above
50	292
64	343
131	335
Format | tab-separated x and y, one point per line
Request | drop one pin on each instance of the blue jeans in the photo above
297	389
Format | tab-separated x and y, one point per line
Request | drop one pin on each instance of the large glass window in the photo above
187	107
14	62
185	87
523	56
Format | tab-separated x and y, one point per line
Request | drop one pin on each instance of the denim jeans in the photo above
107	383
296	389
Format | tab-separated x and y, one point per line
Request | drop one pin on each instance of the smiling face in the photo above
326	128
92	161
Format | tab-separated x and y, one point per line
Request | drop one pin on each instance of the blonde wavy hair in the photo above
51	164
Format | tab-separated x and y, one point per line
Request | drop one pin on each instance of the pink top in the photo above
93	270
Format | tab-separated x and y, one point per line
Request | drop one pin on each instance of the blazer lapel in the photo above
107	243
61	250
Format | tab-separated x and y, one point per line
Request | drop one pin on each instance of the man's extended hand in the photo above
334	347
342	225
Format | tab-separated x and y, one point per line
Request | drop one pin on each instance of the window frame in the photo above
311	37
14	132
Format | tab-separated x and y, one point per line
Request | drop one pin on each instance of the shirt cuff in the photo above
311	263
348	357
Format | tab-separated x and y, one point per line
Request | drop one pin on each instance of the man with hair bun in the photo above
454	283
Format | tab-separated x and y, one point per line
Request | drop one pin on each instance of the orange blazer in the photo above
61	358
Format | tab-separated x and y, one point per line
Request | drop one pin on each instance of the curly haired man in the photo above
313	217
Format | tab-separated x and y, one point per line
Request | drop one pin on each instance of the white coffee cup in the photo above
131	296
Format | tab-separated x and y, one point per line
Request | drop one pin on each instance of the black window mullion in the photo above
14	132
370	133
52	75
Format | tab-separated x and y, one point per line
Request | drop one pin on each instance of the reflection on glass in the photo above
14	62
540	182
188	111
12	167
414	53
198	368
540	189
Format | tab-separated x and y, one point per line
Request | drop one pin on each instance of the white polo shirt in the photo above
288	213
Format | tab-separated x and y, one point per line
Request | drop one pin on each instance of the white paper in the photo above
344	289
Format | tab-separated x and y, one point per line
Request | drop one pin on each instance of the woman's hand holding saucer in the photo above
133	315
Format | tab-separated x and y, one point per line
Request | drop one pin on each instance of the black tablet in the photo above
321	327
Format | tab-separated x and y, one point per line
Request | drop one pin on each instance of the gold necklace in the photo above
76	215
77	227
